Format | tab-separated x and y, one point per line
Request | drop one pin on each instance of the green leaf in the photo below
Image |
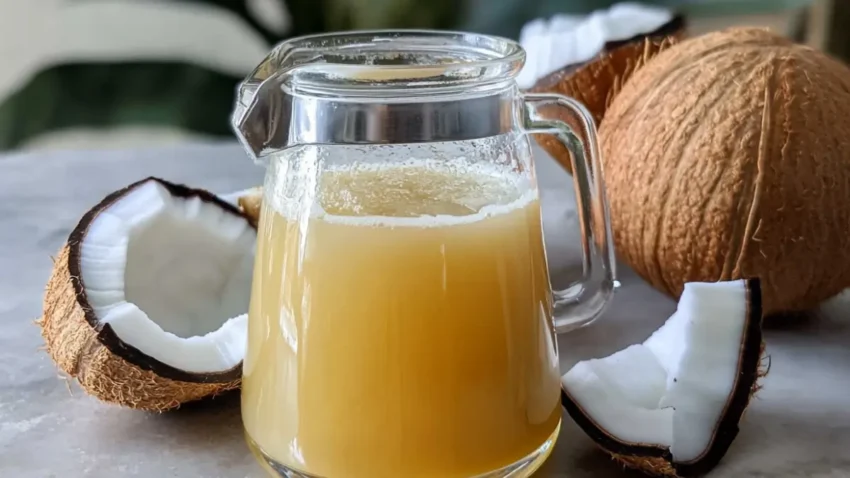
105	95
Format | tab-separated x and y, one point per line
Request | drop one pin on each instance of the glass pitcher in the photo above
402	322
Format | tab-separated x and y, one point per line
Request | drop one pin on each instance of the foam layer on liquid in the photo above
414	193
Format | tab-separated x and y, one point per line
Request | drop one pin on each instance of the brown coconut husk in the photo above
725	158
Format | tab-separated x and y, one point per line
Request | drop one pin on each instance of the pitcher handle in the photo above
584	300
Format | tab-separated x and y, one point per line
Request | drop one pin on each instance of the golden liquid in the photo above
403	331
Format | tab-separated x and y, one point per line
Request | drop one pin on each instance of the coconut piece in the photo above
250	202
566	41
671	405
725	158
146	306
594	81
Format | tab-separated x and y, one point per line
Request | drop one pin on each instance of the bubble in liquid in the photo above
439	184
420	192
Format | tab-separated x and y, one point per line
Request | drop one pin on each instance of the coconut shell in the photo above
106	367
595	83
726	157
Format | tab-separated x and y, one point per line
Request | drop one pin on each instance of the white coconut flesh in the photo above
171	276
673	391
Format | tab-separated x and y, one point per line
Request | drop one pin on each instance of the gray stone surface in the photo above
799	425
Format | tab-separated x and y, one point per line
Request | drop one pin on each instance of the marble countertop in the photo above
799	426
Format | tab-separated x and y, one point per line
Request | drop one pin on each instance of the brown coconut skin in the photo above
595	83
105	367
726	157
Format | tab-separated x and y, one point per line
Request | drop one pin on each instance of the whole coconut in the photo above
728	156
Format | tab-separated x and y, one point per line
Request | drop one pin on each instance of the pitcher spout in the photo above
380	87
261	117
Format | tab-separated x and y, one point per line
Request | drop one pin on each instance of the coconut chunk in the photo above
677	398
250	202
564	40
156	279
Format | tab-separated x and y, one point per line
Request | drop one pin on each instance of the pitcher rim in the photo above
495	56
513	51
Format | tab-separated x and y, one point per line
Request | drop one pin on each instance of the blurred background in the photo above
84	74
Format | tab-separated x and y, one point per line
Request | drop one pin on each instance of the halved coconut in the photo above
146	306
616	43
671	405
566	41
